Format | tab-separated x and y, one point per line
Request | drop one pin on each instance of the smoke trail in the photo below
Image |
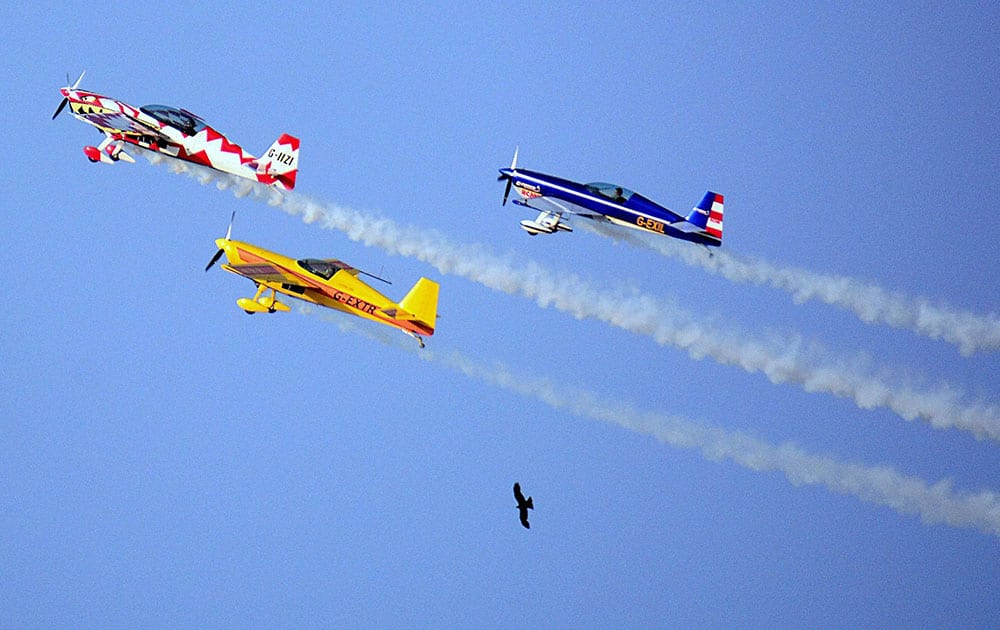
872	304
880	485
782	360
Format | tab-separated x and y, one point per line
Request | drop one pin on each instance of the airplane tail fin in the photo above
707	215
280	163
421	302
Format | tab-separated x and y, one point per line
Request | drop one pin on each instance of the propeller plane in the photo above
176	133
326	282
553	197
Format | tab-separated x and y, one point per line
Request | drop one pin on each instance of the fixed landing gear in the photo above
261	303
419	339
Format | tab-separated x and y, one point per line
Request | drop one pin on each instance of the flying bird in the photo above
523	505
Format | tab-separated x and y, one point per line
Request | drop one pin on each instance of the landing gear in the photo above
260	299
419	339
261	303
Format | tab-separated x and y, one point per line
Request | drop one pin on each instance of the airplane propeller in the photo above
62	104
215	259
59	109
513	166
221	251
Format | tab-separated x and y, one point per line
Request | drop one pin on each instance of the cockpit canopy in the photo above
614	192
179	118
322	268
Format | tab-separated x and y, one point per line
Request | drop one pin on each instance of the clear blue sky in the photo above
168	461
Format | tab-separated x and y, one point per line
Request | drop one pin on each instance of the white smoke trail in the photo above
881	485
872	304
782	360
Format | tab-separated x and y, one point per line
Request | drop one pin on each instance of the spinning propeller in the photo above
221	251
513	166
65	100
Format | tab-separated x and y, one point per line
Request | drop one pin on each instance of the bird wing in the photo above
524	518
517	493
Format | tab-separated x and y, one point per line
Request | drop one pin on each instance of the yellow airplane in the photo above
326	282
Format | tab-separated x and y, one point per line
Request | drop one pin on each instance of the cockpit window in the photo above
179	118
613	192
322	268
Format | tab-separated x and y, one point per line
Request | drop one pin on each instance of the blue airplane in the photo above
554	197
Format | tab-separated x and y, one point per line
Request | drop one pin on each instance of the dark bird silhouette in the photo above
523	505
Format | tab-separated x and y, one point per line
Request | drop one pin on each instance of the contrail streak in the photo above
880	485
872	304
781	360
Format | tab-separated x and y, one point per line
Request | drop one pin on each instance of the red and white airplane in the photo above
176	133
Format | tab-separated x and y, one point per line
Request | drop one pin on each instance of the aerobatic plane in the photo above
554	197
326	282
176	133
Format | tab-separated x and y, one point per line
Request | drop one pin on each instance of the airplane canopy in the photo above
175	117
614	192
322	268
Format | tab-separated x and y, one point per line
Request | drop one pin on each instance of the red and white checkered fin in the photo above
280	163
714	224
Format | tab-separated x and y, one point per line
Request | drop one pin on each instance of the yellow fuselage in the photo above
342	290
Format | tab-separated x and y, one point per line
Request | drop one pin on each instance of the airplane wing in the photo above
268	272
120	123
294	280
558	207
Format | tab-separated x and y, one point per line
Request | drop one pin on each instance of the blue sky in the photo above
168	461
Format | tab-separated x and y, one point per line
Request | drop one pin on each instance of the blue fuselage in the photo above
604	201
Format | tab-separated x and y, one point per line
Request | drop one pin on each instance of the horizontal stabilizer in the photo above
398	314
